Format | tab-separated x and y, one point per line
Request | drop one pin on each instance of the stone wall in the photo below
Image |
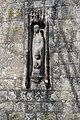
62	100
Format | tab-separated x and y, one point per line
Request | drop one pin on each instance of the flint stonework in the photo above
40	46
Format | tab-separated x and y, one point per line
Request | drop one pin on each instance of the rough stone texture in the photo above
62	100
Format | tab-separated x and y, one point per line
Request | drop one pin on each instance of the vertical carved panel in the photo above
38	49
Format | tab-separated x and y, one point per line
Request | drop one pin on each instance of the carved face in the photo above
36	28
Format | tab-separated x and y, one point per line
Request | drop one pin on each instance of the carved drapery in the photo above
38	48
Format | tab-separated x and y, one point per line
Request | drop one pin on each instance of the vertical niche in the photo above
44	31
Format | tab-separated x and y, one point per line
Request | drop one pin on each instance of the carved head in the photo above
37	55
36	28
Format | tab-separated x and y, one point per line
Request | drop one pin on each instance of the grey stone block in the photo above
12	96
30	116
16	116
19	107
3	116
66	12
6	106
33	106
7	84
52	106
3	95
78	11
46	116
67	116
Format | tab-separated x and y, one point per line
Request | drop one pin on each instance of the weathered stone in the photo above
70	107
74	70
7	84
41	96
11	95
64	57
14	69
78	35
78	11
16	47
77	2
19	107
30	116
52	106
49	3
67	96
76	84
64	13
3	95
15	28
68	57
62	84
46	116
69	116
54	58
22	95
37	86
65	31
38	96
38	4
30	96
13	14
18	84
64	70
0	28
16	38
3	38
77	44
62	100
54	96
6	106
62	95
5	27
3	116
64	2
56	71
3	56
78	96
16	116
33	106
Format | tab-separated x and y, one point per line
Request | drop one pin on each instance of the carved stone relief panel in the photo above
38	50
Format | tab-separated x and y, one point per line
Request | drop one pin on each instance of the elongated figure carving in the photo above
37	74
37	55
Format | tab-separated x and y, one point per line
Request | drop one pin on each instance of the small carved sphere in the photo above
37	64
36	28
37	55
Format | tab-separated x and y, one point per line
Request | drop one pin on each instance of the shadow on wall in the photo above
69	47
